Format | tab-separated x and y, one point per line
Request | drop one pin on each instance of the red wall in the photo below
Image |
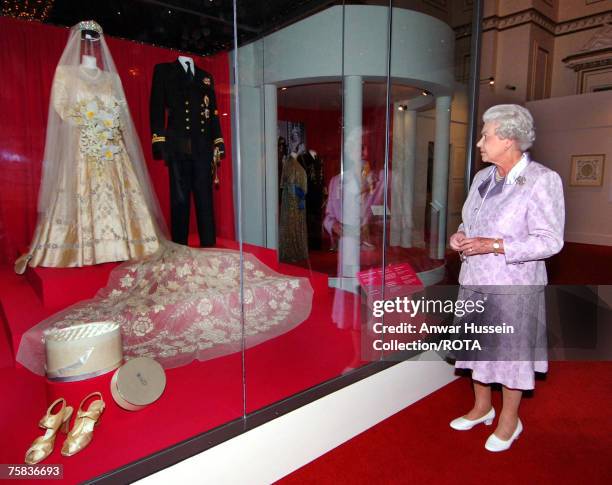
324	132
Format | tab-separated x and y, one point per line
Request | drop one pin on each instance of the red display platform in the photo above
6	349
51	284
206	394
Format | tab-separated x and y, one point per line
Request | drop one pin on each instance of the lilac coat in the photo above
333	209
529	215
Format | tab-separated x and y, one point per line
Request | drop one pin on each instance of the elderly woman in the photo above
513	219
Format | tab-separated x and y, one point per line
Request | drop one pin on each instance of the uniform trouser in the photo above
189	176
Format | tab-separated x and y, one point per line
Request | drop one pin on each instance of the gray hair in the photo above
513	122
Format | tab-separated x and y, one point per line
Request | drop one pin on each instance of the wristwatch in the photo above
496	246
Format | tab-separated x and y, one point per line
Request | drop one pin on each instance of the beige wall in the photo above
571	9
513	62
565	79
540	39
574	125
508	55
507	7
557	10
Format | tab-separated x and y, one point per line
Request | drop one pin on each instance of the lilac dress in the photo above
526	210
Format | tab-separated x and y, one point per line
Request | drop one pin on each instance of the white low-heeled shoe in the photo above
495	444
463	424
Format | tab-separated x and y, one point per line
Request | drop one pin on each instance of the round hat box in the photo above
83	351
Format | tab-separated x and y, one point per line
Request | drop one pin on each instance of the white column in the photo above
397	176
410	125
440	178
351	178
404	159
271	164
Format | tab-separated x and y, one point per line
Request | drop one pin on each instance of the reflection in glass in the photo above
346	168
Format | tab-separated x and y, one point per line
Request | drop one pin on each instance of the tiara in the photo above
90	25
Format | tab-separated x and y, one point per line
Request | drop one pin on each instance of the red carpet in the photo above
581	264
568	421
567	439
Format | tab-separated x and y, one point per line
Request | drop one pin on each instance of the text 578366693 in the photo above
40	471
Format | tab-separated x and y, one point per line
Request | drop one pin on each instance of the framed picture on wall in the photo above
587	170
294	135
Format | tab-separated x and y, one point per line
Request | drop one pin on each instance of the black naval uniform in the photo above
186	141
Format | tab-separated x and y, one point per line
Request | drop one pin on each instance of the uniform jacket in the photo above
184	114
528	213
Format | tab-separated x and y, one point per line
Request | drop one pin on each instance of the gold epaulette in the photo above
218	140
157	139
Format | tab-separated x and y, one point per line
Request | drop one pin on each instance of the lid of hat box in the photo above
138	382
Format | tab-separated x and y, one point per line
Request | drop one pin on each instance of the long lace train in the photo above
181	304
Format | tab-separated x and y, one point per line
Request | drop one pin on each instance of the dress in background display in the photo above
293	234
177	303
314	197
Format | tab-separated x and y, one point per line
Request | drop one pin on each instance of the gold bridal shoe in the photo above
43	445
22	263
81	433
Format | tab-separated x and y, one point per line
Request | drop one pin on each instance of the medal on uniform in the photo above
207	113
206	101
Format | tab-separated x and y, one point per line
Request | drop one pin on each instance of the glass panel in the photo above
312	99
428	137
98	206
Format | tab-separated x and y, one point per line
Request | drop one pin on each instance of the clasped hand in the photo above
470	246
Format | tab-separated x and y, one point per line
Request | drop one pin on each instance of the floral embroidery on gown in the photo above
181	304
110	220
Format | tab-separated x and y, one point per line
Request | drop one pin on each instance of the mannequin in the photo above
314	198
89	62
89	65
187	63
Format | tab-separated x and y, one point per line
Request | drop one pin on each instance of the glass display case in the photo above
324	144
